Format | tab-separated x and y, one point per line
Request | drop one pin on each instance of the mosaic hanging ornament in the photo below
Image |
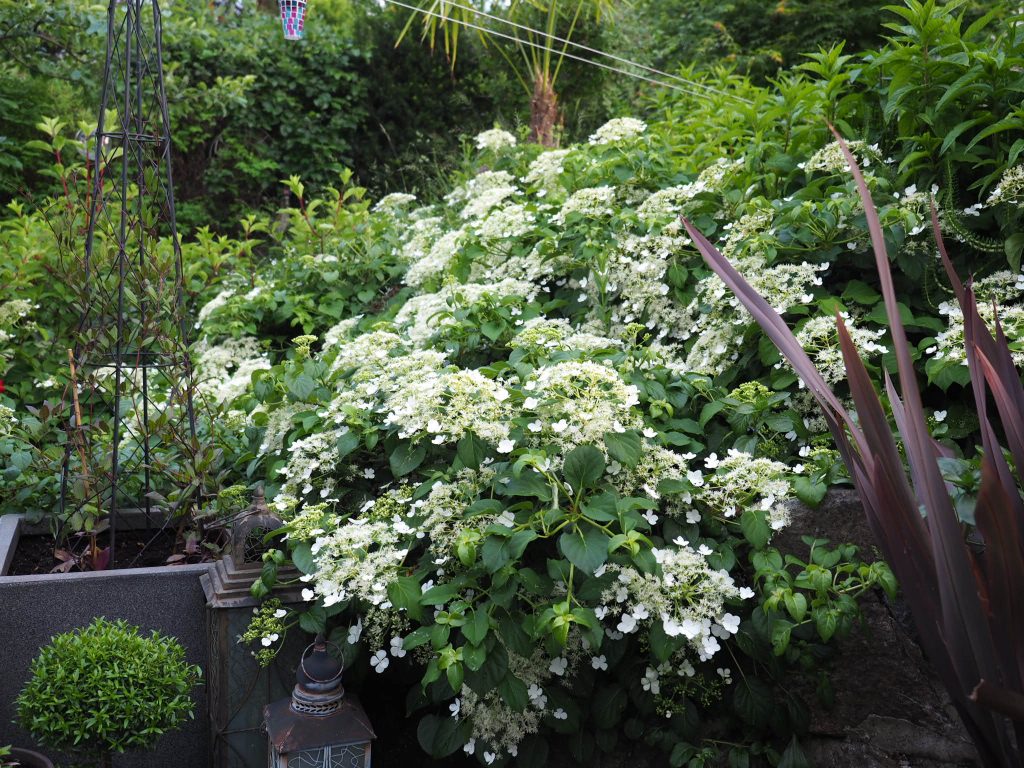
293	18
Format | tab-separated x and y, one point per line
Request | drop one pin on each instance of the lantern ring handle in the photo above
302	662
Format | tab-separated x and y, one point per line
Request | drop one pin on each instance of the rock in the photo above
891	711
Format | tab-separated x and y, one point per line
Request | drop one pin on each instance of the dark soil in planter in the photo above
134	549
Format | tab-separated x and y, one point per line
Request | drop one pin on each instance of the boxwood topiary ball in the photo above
106	688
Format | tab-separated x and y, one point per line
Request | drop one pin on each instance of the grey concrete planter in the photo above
168	599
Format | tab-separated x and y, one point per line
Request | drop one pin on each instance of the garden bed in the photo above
134	549
143	541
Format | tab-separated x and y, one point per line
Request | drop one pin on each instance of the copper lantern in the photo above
319	726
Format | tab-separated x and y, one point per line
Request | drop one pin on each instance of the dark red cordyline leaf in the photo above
967	634
1010	703
999	511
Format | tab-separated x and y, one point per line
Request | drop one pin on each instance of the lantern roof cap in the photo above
291	731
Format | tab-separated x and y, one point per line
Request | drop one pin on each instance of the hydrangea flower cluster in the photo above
425	315
592	202
12	313
225	370
394	202
1010	189
719	323
13	316
617	130
820	339
545	170
740	482
576	403
1006	290
362	555
687	597
266	629
494	140
830	158
7	420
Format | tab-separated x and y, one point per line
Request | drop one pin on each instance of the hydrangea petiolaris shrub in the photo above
105	689
528	476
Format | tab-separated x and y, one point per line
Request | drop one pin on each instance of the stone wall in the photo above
891	711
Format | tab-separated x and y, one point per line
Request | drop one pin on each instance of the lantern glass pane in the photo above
309	758
347	756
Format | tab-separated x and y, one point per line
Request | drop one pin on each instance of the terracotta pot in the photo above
26	758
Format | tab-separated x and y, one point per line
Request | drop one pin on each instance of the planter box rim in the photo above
116	573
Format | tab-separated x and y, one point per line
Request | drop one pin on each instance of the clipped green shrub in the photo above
105	688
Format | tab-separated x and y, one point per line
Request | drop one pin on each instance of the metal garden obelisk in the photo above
132	429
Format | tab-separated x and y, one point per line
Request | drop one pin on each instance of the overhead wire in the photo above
566	54
587	48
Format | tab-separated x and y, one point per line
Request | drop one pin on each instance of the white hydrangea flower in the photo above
578	402
436	260
687	596
394	202
1010	189
224	371
820	339
545	170
359	559
1006	289
355	631
591	202
741	481
218	301
398	647
494	140
617	130
730	622
651	681
537	697
507	223
716	319
830	158
666	204
424	315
